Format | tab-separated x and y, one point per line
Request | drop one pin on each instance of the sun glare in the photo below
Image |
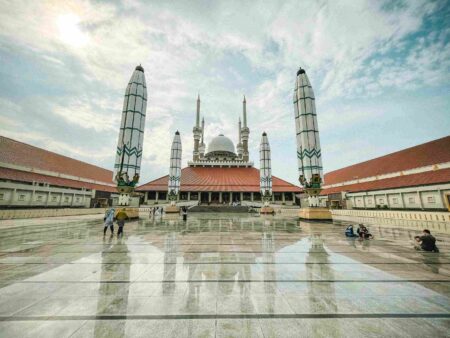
70	32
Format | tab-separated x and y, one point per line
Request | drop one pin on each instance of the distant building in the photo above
218	174
416	178
34	177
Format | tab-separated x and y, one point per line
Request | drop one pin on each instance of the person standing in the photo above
109	221
121	218
184	213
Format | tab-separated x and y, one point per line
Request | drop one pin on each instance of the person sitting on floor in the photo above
363	232
427	242
349	231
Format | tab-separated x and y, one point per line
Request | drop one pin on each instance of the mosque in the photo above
220	173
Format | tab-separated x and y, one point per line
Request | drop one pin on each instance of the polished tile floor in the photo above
219	275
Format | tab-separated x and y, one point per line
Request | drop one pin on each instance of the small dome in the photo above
221	143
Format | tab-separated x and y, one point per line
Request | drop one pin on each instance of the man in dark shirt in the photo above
427	241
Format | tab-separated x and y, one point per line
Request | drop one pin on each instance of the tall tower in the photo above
175	169
308	145
245	132
127	165
202	147
239	147
197	131
265	171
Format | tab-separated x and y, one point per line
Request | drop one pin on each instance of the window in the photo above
78	199
395	200
369	201
431	199
2	196
39	198
53	198
411	200
66	199
381	201
21	197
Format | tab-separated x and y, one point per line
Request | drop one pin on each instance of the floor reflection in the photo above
113	294
239	273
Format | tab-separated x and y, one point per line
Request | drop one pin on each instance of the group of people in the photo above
426	242
362	232
110	217
156	211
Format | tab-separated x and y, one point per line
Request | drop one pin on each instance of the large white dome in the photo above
221	143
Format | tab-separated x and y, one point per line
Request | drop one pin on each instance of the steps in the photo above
219	208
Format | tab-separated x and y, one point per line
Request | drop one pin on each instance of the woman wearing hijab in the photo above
109	221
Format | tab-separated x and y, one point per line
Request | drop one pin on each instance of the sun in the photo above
69	30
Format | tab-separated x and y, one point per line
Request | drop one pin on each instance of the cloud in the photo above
79	56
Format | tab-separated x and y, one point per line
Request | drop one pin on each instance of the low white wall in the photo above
33	213
418	220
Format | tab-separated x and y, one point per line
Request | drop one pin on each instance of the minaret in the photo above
202	146
197	132
127	165
239	147
175	169
265	171
308	144
245	131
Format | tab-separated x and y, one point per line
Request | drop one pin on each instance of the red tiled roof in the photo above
219	179
425	178
24	176
21	154
434	152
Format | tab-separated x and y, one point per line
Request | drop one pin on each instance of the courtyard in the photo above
219	275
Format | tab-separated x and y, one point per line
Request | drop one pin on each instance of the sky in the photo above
380	72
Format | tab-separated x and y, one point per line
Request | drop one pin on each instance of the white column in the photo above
283	198
189	195
13	197
220	197
419	196
209	197
251	197
33	194
156	196
402	198
242	196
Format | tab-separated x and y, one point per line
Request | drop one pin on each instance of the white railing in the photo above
33	213
434	221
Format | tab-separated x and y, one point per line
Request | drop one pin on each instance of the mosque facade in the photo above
220	172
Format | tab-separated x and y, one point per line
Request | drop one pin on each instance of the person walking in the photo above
109	221
121	218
